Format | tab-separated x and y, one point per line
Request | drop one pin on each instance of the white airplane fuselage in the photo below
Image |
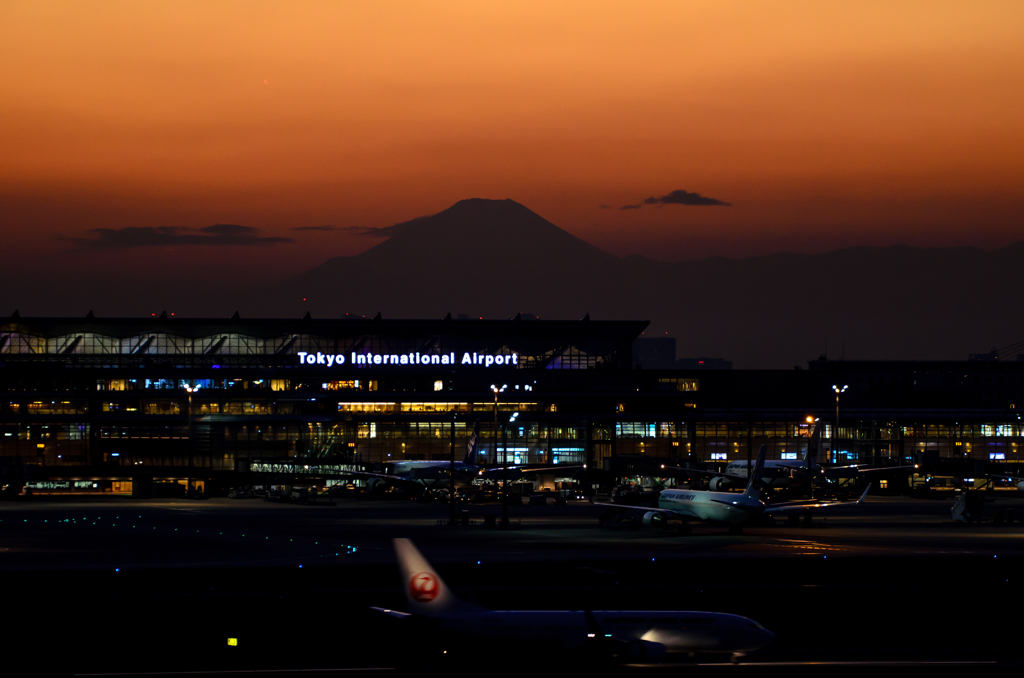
410	468
667	631
730	508
778	473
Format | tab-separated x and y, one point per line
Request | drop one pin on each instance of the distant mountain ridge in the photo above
494	258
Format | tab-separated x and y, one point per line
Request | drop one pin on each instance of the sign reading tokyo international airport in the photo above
368	359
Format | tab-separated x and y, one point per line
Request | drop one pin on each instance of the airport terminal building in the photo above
113	404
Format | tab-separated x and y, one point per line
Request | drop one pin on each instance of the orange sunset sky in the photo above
823	124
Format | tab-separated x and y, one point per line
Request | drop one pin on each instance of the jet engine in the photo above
652	518
719	484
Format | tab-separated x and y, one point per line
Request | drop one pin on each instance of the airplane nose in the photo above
766	637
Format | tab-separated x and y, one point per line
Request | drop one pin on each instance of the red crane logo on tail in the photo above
423	587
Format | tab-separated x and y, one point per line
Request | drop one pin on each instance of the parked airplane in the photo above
435	475
635	634
785	473
728	508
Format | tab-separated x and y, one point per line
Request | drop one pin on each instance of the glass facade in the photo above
170	398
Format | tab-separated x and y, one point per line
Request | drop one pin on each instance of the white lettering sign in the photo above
407	359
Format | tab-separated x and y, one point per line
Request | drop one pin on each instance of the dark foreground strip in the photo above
233	671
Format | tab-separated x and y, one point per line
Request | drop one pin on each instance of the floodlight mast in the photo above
504	451
835	436
188	481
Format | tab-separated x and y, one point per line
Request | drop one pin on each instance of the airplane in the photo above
727	508
628	634
784	473
433	476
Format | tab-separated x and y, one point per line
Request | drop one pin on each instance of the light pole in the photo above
504	470
835	438
504	473
496	391
188	483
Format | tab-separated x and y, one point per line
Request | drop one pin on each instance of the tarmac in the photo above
138	586
63	533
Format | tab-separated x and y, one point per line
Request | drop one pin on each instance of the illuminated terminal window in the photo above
161	407
435	407
119	407
635	429
568	455
719	456
506	407
368	408
206	407
57	407
110	384
247	407
344	385
680	384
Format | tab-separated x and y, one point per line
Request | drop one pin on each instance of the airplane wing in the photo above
383	476
1001	476
859	468
788	507
392	613
686	515
498	470
700	472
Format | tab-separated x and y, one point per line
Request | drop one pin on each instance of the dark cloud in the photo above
684	198
632	207
170	236
317	228
371	231
605	207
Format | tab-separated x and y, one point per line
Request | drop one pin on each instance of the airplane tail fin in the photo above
813	445
756	474
425	591
471	445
